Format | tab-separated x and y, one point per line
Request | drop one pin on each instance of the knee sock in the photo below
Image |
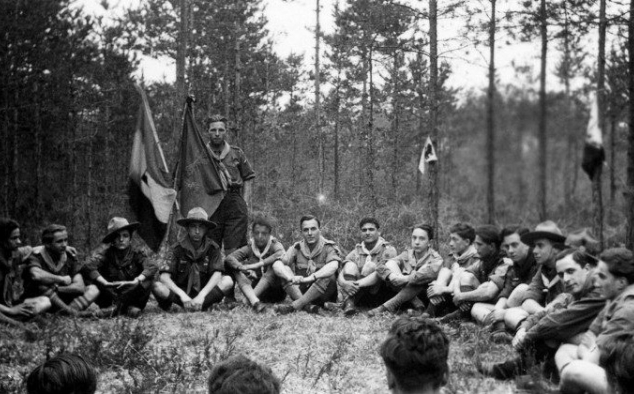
313	293
344	294
293	291
417	303
214	296
247	290
59	304
80	303
406	294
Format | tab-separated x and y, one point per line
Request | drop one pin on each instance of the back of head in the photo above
239	374
415	353
617	358
65	373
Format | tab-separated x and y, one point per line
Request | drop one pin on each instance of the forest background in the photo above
340	138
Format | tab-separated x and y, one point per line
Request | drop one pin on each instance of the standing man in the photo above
309	266
255	260
232	216
194	277
358	279
54	271
12	260
123	274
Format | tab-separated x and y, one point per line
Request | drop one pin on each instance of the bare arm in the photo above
485	292
166	278
369	280
211	283
39	275
76	287
327	270
246	192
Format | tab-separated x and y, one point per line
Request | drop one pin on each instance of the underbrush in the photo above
174	352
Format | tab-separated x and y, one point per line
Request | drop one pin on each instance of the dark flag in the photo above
150	190
593	152
199	180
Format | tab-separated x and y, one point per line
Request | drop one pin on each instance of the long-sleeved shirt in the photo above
425	269
616	318
105	262
246	254
518	273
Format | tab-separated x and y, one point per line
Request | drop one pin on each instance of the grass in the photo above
174	352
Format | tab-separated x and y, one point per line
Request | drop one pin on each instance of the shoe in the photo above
377	311
332	306
284	309
230	305
312	309
258	307
535	384
349	309
450	317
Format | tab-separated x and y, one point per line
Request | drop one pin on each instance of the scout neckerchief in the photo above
225	176
256	250
549	283
122	262
193	275
414	262
309	255
48	260
375	250
466	256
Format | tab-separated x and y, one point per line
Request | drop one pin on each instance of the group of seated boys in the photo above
560	302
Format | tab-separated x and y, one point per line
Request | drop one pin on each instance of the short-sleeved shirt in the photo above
302	263
246	254
67	265
238	166
458	263
11	267
105	262
425	269
493	269
377	256
518	273
545	286
616	318
193	268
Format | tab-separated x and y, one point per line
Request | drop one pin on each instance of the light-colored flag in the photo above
427	155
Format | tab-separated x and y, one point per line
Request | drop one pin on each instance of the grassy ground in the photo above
173	352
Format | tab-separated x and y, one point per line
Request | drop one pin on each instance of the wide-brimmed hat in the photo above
117	224
197	215
583	238
545	230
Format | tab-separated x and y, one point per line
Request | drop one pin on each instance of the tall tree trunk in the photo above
6	149
337	192
433	114
369	164
543	141
421	116
38	155
225	87
597	192
237	99
567	181
322	153
491	121
89	196
14	194
395	127
629	212
612	161
181	60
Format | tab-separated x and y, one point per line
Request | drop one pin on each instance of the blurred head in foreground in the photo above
618	361
238	374
415	355
65	373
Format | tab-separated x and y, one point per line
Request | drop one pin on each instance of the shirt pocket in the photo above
181	267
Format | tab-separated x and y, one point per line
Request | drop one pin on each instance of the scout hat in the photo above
545	230
583	238
197	215
117	224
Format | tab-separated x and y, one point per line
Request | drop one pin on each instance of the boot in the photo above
349	309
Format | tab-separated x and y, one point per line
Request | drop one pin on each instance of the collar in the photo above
256	250
195	254
468	254
48	259
225	151
380	244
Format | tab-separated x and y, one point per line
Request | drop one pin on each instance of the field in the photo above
173	352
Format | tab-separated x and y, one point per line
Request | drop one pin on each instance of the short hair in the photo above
463	230
371	220
48	234
579	257
427	228
215	118
617	358
65	373
513	229
489	234
415	353
239	374
620	262
264	221
306	218
6	228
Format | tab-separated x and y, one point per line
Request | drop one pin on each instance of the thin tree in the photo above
491	120
322	153
597	194
543	140
630	148
433	200
181	58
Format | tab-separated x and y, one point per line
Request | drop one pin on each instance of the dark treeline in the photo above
68	112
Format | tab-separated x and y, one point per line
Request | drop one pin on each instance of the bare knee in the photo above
226	283
92	292
160	290
350	269
133	312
